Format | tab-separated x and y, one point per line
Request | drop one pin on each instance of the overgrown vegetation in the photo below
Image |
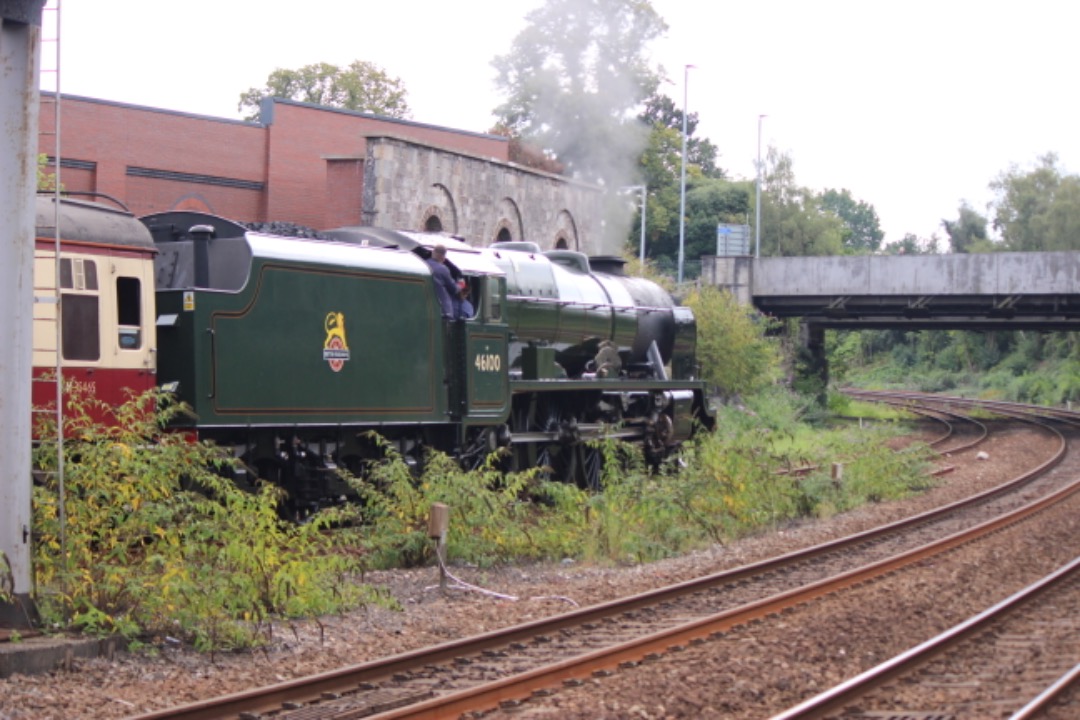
731	483
1021	366
157	540
736	355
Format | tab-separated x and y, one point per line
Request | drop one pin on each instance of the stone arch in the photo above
440	211
509	225
566	232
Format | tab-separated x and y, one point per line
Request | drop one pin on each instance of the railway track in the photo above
1026	646
501	668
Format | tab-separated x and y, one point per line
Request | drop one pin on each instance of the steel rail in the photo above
491	694
1011	409
271	698
821	705
1047	696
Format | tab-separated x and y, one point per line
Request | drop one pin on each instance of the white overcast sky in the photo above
913	106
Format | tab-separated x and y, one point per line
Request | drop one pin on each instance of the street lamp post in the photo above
643	189
757	212
682	182
644	200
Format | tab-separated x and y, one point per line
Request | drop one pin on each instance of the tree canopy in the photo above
793	219
861	231
1039	209
660	113
968	232
574	79
660	166
362	86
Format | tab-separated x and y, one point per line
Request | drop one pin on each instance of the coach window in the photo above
80	338
129	312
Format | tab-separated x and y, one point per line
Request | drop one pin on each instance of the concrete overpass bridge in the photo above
1000	291
992	291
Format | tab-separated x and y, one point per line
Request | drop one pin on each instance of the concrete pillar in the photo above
20	49
732	273
811	363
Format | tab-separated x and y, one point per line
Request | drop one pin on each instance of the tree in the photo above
911	244
660	166
661	114
968	232
737	356
574	80
862	231
793	220
361	86
46	181
709	203
1038	210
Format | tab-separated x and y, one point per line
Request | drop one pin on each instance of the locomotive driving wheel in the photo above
572	458
557	443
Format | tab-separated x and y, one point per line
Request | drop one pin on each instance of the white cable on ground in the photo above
460	584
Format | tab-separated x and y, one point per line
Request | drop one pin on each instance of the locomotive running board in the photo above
589	431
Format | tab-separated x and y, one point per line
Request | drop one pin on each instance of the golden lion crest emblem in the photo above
335	348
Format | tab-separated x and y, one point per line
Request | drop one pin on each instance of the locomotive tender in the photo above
289	349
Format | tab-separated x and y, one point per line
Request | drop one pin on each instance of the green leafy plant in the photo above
722	486
157	538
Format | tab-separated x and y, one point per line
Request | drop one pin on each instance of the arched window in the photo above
433	224
503	236
561	244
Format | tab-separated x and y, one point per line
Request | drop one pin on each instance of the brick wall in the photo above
197	156
318	167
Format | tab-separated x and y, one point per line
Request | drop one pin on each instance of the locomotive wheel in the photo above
567	457
574	460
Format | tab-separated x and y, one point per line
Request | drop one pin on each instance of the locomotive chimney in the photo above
610	264
201	236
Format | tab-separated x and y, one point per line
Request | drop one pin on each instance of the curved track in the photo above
501	667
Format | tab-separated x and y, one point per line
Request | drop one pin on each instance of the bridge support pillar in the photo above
734	274
811	363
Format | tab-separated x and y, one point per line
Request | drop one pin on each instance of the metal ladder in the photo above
50	80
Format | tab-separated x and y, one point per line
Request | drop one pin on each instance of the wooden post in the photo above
438	525
837	474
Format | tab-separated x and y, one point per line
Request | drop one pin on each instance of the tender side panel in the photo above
314	345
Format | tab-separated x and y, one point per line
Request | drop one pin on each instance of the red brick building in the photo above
316	166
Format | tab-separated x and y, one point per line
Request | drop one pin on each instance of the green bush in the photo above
157	539
737	357
725	484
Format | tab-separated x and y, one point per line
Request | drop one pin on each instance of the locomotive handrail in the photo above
586	305
213	363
